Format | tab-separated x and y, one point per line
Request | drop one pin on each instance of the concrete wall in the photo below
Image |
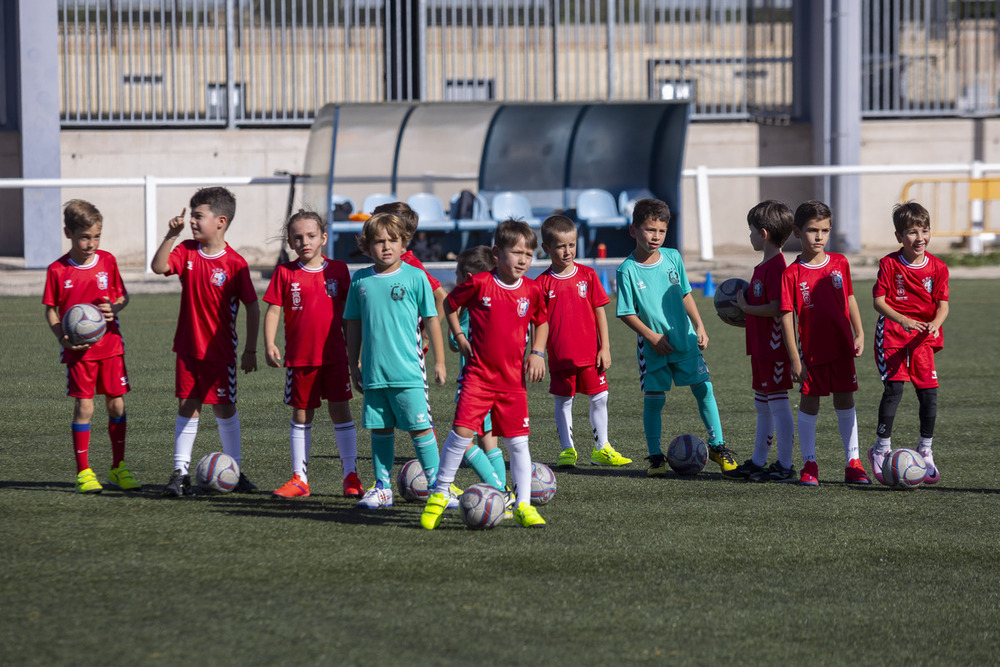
261	209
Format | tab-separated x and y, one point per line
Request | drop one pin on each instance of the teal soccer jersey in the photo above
389	306
655	293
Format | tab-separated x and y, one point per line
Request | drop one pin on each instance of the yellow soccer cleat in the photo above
436	504
657	466
86	482
122	478
567	458
725	458
527	516
607	456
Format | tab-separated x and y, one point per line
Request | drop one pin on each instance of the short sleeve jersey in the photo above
312	301
499	315
818	295
912	290
212	287
571	300
389	306
68	283
765	340
655	294
409	258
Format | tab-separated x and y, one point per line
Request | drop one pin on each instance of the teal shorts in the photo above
402	408
685	372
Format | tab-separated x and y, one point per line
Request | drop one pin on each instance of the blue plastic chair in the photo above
430	210
514	205
595	209
479	222
374	200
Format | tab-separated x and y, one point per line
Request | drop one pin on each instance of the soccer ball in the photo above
217	472
725	301
687	454
482	506
84	323
543	483
904	469
412	482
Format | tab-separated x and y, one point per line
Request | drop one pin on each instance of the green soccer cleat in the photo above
86	482
567	458
122	478
657	466
607	456
725	458
527	516
436	504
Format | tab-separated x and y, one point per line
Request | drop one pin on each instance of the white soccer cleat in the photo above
933	476
376	497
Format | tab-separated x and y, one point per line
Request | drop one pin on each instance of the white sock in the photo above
765	430
925	444
784	427
299	435
599	418
564	420
883	444
347	444
451	458
847	420
807	436
185	430
229	434
520	467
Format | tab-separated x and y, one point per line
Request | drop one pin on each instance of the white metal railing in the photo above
702	177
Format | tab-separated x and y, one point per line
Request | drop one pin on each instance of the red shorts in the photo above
770	376
306	387
836	377
568	381
900	364
85	379
507	409
210	382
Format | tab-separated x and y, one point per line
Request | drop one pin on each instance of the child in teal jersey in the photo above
655	301
383	309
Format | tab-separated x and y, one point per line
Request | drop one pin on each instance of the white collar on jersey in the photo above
815	266
92	264
215	256
902	260
576	268
659	258
504	285
308	270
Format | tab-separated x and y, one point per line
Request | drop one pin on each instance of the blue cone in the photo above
709	284
604	281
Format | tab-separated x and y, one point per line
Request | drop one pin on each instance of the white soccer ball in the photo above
687	454
84	323
904	469
412	482
217	472
543	483
482	506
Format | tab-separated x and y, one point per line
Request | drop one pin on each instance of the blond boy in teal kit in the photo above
654	300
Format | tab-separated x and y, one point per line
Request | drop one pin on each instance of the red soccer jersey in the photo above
817	294
499	316
570	301
912	290
211	291
313	303
412	260
67	284
765	340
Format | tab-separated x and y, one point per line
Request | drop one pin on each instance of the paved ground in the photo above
16	281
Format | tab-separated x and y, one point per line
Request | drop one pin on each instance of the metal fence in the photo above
275	62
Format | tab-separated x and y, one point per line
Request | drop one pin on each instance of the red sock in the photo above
81	445
116	431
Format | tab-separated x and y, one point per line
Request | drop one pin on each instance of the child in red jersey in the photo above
816	290
911	298
215	279
311	291
88	275
770	225
578	344
501	304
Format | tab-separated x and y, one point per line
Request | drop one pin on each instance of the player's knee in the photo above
927	398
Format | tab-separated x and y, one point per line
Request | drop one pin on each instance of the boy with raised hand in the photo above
87	274
655	301
501	304
215	279
385	356
770	224
816	290
911	298
578	345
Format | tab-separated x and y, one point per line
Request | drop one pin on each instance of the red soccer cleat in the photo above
855	473
352	486
293	488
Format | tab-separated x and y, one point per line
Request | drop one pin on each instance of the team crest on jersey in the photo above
758	288
398	292
928	283
296	296
900	285
486	302
219	277
674	277
522	306
838	279
581	289
102	280
331	288
804	291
